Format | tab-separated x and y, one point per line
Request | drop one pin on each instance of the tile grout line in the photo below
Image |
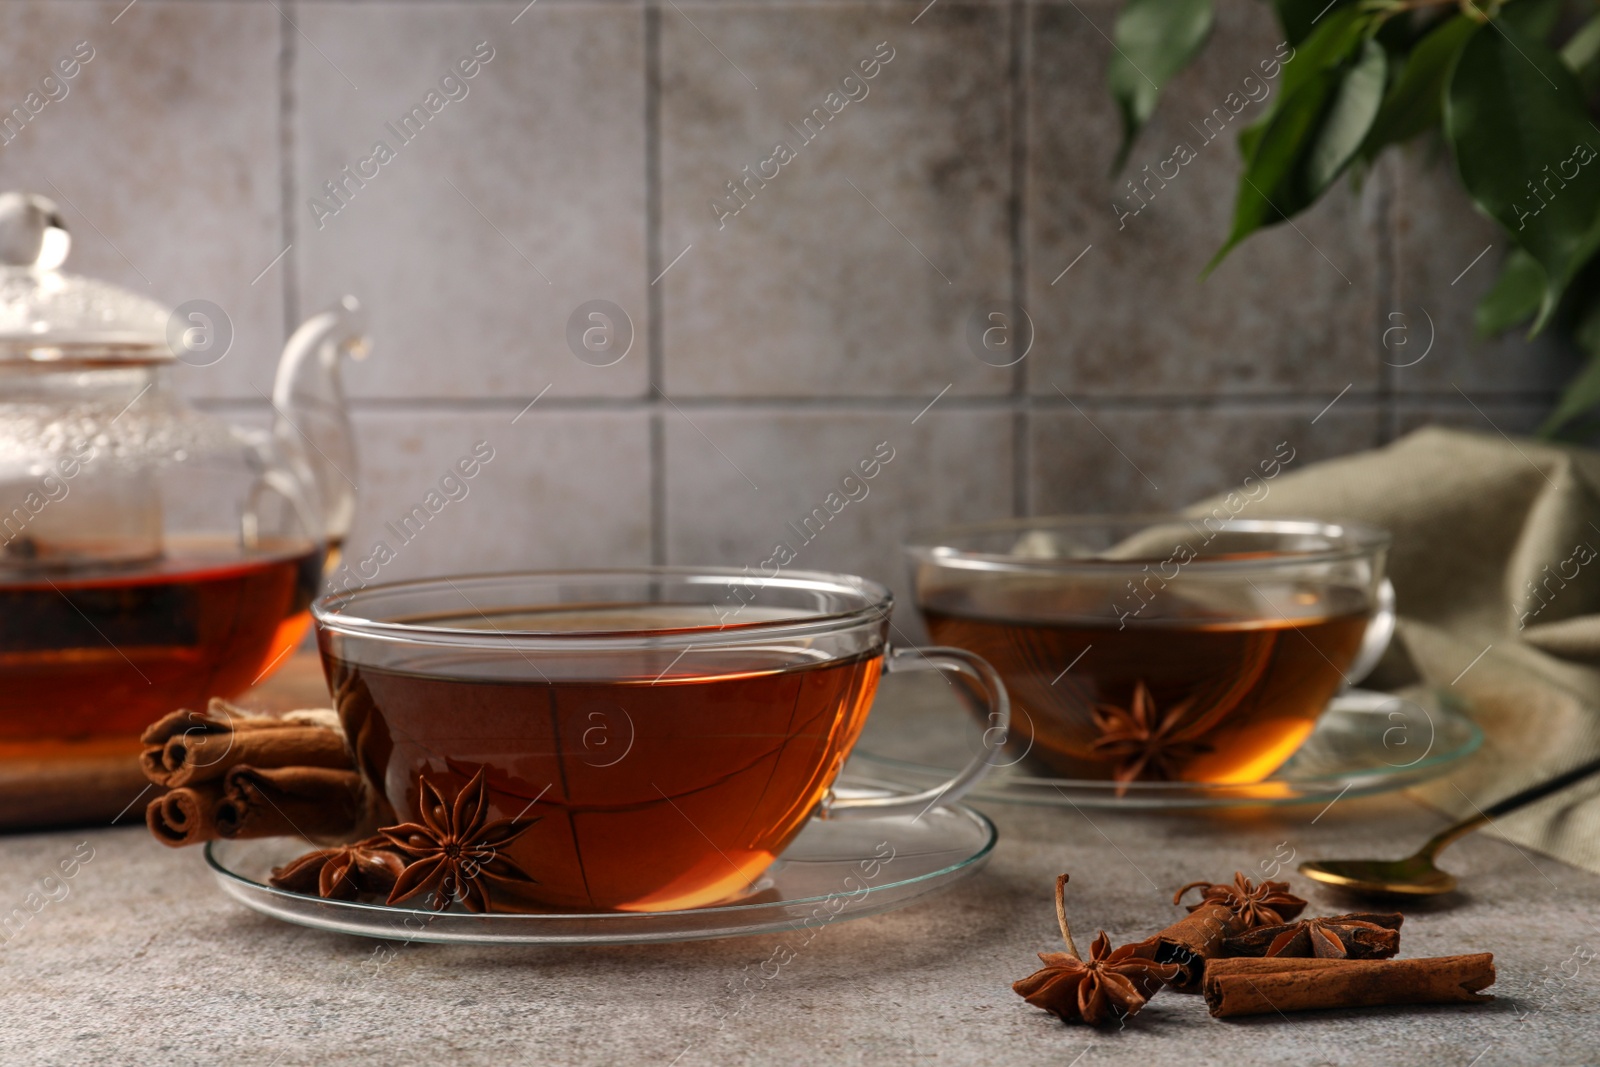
655	296
1020	29
1388	292
653	193
658	488
1288	404
290	278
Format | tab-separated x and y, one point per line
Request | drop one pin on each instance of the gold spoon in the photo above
1416	876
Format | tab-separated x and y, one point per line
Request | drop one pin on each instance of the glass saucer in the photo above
1366	742
832	872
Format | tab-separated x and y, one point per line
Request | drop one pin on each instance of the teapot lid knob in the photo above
31	232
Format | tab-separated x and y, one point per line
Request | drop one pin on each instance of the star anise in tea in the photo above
455	852
1142	742
344	872
1110	984
1337	937
1269	904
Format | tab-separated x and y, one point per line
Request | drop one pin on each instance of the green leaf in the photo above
1515	298
1269	189
1155	39
1307	144
1299	17
1582	47
1515	118
1335	40
1587	329
1582	394
1415	101
1534	19
1582	54
1344	128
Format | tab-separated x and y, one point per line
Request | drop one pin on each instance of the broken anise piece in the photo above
342	873
1143	743
454	851
1269	904
1110	984
1355	937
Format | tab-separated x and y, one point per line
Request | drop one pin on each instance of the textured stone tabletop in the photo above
139	958
144	961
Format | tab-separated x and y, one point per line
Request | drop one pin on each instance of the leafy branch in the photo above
1511	102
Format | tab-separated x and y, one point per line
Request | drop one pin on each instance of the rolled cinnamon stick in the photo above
314	802
1193	939
185	816
203	757
184	746
219	717
1236	987
1358	936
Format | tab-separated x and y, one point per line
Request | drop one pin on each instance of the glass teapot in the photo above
151	555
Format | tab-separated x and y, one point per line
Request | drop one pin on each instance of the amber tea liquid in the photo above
105	655
1255	686
657	785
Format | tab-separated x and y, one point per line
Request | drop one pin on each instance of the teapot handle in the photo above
312	423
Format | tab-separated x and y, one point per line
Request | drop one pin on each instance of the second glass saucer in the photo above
1366	742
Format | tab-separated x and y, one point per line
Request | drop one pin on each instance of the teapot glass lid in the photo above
48	315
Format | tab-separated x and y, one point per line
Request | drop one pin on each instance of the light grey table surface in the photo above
144	961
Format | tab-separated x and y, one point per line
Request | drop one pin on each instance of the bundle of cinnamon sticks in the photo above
229	773
1241	946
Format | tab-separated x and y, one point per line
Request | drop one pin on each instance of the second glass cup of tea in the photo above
659	735
1161	648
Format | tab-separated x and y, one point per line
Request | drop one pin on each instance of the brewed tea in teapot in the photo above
151	555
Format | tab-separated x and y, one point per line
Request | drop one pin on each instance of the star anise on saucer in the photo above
1269	904
344	872
1110	984
455	852
1144	743
1338	937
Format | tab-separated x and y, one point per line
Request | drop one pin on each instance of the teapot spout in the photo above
312	423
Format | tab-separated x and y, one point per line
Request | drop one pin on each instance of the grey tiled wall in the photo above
775	347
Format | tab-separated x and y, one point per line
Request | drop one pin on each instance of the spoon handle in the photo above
1509	804
1542	790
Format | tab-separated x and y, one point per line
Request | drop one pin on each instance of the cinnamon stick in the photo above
203	757
1225	909
1359	936
1246	986
315	802
185	747
1197	937
219	717
185	816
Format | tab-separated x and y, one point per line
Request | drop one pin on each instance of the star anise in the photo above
1269	904
1356	937
1143	743
1110	984
344	872
455	852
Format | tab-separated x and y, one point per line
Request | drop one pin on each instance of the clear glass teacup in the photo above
657	735
1161	648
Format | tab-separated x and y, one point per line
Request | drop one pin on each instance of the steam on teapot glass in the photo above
151	555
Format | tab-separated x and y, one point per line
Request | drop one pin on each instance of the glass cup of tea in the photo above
659	735
1161	648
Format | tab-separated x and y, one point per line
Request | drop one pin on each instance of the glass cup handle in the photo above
977	671
1380	631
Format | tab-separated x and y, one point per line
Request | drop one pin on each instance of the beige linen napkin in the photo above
1496	568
